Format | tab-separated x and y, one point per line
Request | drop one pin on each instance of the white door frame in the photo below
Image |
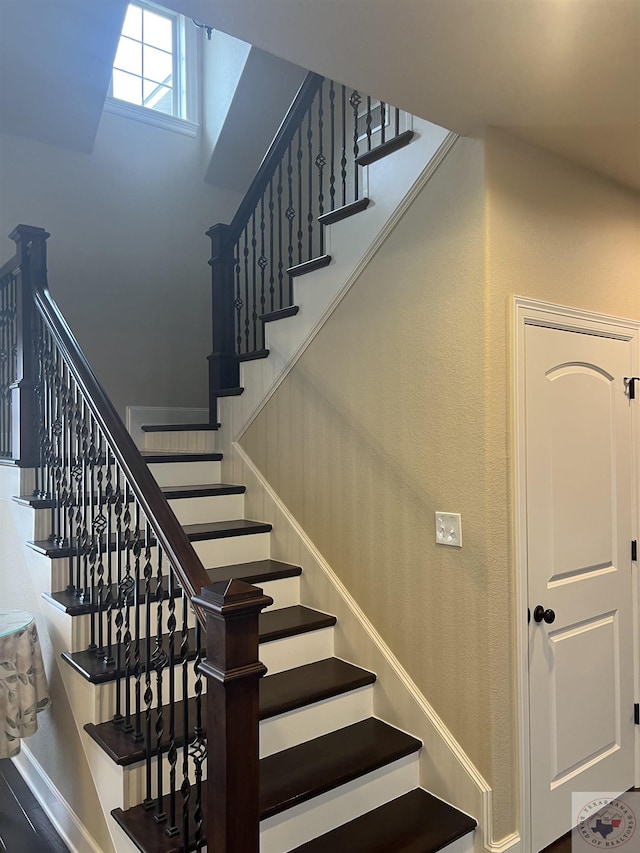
533	312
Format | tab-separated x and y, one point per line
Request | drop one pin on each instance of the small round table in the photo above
23	684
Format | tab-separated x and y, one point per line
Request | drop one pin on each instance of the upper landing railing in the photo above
309	178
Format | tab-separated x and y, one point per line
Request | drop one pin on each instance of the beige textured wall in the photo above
400	406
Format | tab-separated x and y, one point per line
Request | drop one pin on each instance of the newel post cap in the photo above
232	599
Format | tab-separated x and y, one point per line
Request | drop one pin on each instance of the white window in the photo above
154	70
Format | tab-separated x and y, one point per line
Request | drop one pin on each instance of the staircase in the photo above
332	776
143	551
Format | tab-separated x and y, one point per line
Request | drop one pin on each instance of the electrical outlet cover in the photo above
449	529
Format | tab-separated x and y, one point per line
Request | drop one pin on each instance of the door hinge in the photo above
634	550
636	713
631	385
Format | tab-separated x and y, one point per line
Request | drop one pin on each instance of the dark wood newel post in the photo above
31	250
224	370
233	672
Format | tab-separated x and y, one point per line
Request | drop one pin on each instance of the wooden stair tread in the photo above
416	822
272	625
277	624
291	777
312	682
202	427
204	491
227	392
319	765
309	266
279	314
385	148
279	693
158	456
253	356
224	529
340	213
256	572
195	533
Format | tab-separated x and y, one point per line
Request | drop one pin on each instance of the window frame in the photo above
186	60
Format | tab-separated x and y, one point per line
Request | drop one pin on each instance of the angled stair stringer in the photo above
445	769
391	183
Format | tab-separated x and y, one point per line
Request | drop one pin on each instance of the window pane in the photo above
132	26
158	65
159	98
129	56
158	31
126	87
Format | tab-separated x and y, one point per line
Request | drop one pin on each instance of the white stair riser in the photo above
295	727
301	823
233	549
186	473
208	508
276	655
285	593
290	652
104	703
192	441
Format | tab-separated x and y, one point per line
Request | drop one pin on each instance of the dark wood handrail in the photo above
272	158
165	525
11	266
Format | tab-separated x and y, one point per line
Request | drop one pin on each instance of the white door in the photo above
579	530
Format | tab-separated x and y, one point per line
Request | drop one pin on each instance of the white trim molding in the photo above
526	312
473	793
66	822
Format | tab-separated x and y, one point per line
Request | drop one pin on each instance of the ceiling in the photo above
55	67
563	74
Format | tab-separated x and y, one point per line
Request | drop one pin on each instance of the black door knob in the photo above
540	613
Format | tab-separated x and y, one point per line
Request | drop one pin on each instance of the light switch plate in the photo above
449	529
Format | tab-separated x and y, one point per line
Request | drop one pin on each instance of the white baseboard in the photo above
136	416
66	822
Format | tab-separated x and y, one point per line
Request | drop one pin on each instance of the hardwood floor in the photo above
24	827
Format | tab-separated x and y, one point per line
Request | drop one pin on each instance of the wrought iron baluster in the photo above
290	214
70	434
109	598
172	754
238	300
321	162
128	588
119	510
262	263
159	663
39	349
56	450
343	156
148	669
397	121
355	100
246	289
254	282
185	787
198	747
102	544
383	121
332	154
280	224
93	538
299	156
368	123
272	279
77	474
137	604
310	216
